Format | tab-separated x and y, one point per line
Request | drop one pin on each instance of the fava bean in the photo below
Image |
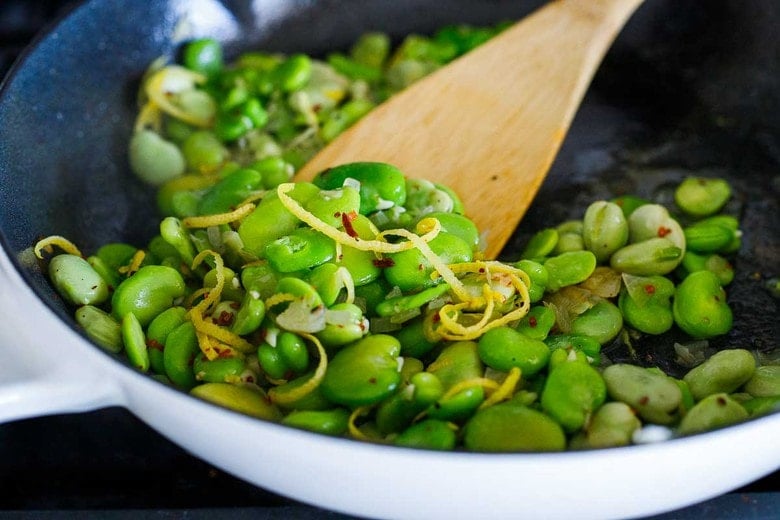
245	398
151	290
569	268
700	307
601	322
101	327
540	245
538	275
157	332
765	382
723	372
712	412
509	427
181	347
612	425
330	422
430	434
364	372
153	159
605	229
503	348
538	323
700	196
135	342
382	186
77	281
647	258
655	397
572	392
220	370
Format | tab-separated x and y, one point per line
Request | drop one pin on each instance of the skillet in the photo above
684	90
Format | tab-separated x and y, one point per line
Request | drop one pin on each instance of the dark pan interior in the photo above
687	89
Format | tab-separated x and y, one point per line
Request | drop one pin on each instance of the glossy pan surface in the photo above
684	90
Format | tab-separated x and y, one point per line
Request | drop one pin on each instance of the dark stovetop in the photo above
107	463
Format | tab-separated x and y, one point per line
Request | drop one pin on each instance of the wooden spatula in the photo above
490	123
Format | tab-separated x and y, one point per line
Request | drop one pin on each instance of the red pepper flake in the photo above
532	321
346	221
644	400
383	262
235	305
154	344
224	318
372	380
436	318
337	214
224	354
420	267
481	270
650	288
663	231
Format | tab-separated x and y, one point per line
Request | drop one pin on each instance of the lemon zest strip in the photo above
354	431
56	240
379	246
504	391
286	397
219	219
158	94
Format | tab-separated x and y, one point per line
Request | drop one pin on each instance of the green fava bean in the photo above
219	370
424	197
569	242
460	406
361	265
344	323
334	206
503	348
401	304
153	159
714	411
157	332
700	307
326	280
229	192
203	55
303	248
181	347
704	237
250	315
293	73
117	254
363	373
765	382
135	342
654	221
601	322
204	152
272	362
572	392
412	337
758	406
260	278
538	323
270	220
457	362
605	229
612	425
458	225
382	185
629	203
429	434
650	257
538	275
412	271
569	268
293	350
509	427
150	291
76	281
723	372
101	327
540	245
577	343
246	399
700	196
329	422
646	303
654	396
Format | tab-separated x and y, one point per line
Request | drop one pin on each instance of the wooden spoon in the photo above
489	124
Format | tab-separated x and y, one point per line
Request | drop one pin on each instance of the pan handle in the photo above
45	367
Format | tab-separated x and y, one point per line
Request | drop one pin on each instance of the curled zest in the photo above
205	330
55	240
206	221
504	391
354	431
451	315
280	395
377	246
150	116
172	80
135	263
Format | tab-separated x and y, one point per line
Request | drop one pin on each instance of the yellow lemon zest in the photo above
135	263
466	384
219	219
504	391
55	240
150	116
281	396
354	431
379	246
